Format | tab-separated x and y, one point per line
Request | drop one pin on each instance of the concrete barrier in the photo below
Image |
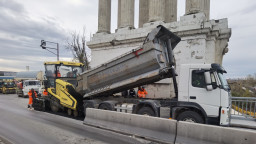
151	128
192	133
167	131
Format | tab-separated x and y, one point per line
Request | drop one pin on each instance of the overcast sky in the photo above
23	24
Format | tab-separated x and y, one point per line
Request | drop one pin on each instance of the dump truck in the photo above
201	92
25	86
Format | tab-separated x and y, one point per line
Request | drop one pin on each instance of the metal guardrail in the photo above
245	106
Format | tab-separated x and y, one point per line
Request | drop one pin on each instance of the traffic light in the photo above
43	44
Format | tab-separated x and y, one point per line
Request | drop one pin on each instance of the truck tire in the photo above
190	116
108	105
105	106
146	111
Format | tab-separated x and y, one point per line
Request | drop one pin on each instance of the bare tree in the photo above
77	45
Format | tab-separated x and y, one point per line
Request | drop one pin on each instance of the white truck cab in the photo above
29	84
205	85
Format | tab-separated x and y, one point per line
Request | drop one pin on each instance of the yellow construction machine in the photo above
1	86
9	87
61	80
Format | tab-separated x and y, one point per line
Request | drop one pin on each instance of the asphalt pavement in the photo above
22	126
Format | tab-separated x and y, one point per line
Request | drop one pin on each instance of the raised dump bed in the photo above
149	63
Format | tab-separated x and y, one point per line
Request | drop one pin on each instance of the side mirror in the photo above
208	81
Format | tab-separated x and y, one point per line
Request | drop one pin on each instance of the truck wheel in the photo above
108	105
146	111
105	106
190	116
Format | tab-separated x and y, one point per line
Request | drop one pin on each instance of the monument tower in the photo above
203	40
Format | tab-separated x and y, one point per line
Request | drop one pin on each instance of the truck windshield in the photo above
68	71
32	83
223	81
9	84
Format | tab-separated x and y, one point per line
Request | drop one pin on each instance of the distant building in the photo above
7	75
6	78
29	75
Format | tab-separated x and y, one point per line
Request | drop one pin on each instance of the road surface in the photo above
22	126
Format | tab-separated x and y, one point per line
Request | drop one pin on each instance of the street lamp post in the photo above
43	45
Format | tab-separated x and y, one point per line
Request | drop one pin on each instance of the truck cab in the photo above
29	84
204	86
66	71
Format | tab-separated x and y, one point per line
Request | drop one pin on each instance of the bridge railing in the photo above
245	106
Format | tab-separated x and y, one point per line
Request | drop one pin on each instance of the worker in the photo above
45	93
32	95
58	74
132	93
142	92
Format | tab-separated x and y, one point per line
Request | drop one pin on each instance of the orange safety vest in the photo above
58	74
142	93
45	92
30	98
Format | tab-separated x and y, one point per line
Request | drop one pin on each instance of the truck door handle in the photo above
192	97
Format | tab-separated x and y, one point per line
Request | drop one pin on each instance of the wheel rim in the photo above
190	120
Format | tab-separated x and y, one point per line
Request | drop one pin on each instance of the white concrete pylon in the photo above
156	10
119	13
126	13
170	11
196	6
143	12
207	8
104	16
